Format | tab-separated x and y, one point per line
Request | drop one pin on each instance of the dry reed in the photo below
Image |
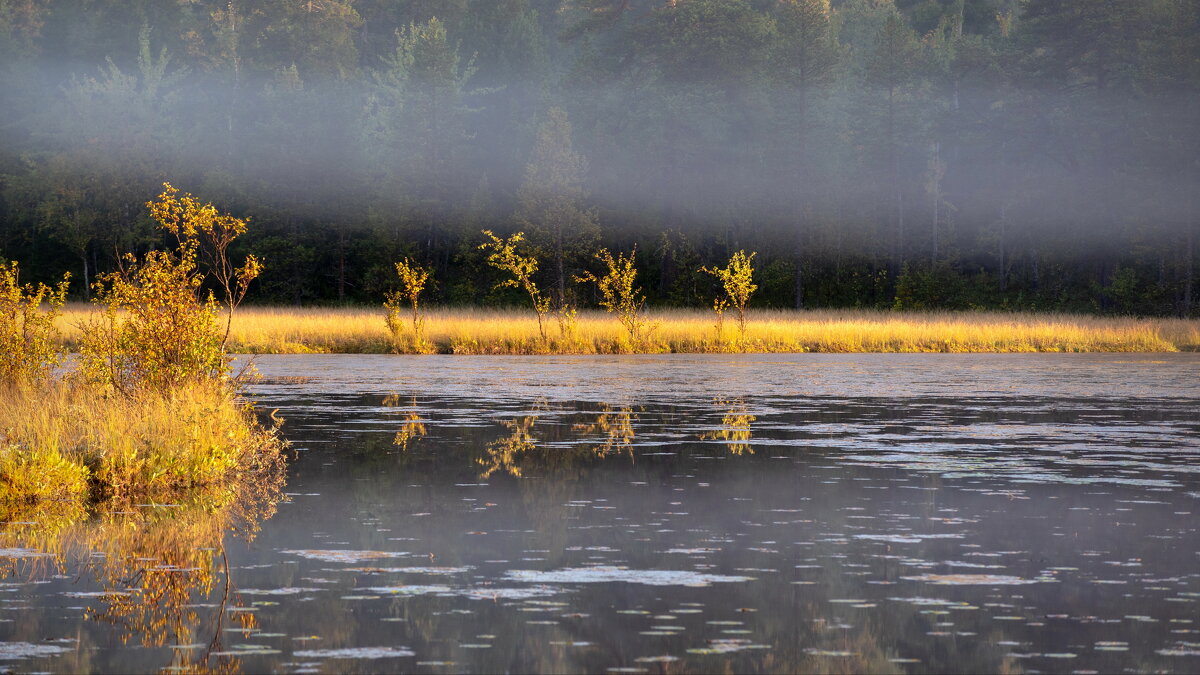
63	439
272	330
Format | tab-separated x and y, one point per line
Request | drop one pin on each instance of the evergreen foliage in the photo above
1009	155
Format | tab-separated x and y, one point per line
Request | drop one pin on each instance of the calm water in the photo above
882	513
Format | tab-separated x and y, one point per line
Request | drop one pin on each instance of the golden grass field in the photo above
63	440
278	330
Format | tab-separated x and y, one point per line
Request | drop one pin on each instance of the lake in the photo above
674	513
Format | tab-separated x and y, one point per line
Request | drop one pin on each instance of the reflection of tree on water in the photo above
157	566
735	426
411	424
518	453
617	429
506	455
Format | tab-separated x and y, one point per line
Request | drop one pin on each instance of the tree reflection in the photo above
158	567
518	453
616	427
411	425
508	454
735	426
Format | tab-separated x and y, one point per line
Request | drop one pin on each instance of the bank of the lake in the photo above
65	441
281	330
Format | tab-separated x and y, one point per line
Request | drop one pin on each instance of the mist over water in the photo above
1034	154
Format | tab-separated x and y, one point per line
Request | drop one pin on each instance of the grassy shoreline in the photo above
281	330
64	440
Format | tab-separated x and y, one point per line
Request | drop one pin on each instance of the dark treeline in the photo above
1019	154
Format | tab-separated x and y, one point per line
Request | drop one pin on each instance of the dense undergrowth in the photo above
64	440
149	410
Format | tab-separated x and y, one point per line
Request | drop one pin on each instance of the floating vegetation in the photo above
972	580
601	575
355	653
905	538
11	651
726	646
277	591
434	571
474	593
344	556
21	553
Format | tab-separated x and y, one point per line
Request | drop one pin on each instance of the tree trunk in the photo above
87	284
897	197
341	282
1189	271
799	273
560	267
1003	249
937	198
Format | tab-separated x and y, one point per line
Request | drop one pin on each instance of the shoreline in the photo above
286	330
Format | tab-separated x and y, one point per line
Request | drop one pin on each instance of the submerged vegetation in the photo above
150	411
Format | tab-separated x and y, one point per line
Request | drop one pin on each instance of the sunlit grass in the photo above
65	440
478	331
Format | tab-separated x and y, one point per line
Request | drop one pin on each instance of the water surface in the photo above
864	513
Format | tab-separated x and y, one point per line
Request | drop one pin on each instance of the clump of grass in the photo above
66	440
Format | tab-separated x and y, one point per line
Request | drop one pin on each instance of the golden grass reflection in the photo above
162	572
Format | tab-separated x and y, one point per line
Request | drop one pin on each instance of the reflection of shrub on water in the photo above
518	453
616	427
162	572
411	425
735	427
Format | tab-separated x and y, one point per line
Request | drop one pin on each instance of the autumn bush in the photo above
29	340
620	295
151	409
413	278
159	329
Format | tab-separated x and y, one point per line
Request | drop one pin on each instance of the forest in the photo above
914	154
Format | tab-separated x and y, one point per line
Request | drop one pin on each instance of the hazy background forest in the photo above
1003	154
